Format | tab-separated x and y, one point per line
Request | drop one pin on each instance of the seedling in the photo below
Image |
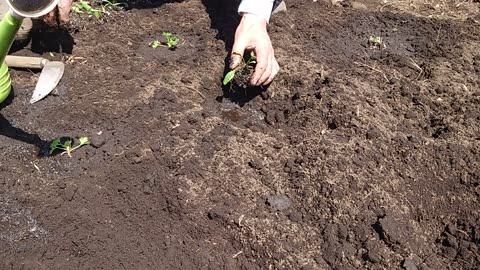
172	40
155	44
85	7
113	5
243	68
66	146
376	41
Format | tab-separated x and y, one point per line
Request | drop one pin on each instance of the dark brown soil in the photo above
356	157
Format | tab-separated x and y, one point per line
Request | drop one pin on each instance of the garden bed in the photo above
360	155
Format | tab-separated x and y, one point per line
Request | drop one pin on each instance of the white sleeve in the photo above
262	8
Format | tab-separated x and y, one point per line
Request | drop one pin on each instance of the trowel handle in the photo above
25	61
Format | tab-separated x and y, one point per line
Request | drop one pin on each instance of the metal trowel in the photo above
52	72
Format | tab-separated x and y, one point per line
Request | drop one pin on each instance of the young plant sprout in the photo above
243	67
113	4
66	146
172	40
376	41
85	7
154	44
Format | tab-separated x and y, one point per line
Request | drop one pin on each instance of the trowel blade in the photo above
51	74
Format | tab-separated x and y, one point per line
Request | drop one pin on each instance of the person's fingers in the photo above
262	64
235	60
64	7
275	70
237	50
268	71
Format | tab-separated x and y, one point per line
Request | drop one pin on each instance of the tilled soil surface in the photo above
361	154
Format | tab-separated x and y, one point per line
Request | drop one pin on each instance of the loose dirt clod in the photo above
279	202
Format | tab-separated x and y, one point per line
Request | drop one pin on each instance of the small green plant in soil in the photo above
171	41
155	44
66	146
113	5
243	70
376	41
85	7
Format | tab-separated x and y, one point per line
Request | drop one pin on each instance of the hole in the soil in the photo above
377	227
440	131
241	96
332	125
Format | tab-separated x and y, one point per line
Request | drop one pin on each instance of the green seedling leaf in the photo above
375	40
154	44
77	8
67	144
172	40
85	5
54	145
97	13
66	147
83	141
113	4
229	77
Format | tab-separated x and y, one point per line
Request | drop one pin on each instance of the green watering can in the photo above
11	22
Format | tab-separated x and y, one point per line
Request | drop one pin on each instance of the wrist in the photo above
250	19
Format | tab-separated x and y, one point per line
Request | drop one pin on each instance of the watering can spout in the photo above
8	29
9	26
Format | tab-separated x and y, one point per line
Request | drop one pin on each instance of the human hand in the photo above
59	16
252	35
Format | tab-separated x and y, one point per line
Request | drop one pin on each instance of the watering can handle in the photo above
25	61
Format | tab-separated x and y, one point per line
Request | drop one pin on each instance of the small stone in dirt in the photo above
320	261
374	255
156	147
270	117
409	264
186	80
280	117
69	192
395	230
289	165
410	115
451	241
277	146
295	217
373	133
265	95
279	202
97	141
218	213
255	164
